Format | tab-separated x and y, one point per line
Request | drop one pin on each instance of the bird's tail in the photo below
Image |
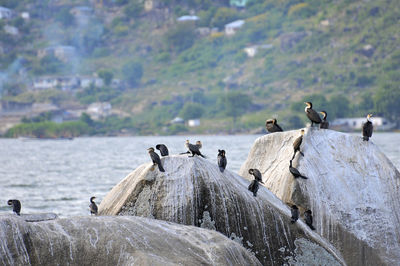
311	227
161	168
202	155
302	154
365	138
221	169
184	152
302	176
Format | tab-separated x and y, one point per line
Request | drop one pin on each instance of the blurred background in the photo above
165	67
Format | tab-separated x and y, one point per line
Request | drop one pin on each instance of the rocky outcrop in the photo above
352	189
193	191
114	241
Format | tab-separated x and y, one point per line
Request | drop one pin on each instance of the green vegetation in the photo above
342	56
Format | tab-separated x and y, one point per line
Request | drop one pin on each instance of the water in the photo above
60	175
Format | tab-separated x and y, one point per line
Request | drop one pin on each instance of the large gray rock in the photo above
114	241
193	191
352	189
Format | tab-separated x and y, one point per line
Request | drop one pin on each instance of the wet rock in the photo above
193	191
352	189
114	241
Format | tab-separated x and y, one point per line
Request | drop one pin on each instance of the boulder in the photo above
193	191
114	241
352	189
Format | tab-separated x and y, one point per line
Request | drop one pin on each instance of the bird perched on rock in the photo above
295	213
199	144
93	206
309	219
312	114
295	172
367	128
193	149
272	126
297	143
254	185
16	204
257	174
163	149
156	159
324	124
221	160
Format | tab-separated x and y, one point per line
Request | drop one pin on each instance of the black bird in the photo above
297	143
93	206
367	128
257	174
324	124
163	149
253	187
199	144
194	149
309	219
295	213
16	205
295	172
156	159
312	114
221	160
272	126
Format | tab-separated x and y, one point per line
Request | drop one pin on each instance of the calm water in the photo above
60	175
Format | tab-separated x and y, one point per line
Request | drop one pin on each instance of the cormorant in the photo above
193	149
221	160
272	126
295	172
163	149
16	205
253	187
93	206
199	144
297	143
295	213
309	219
312	114
257	174
367	128
324	124
156	159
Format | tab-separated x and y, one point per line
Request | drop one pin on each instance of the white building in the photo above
87	81
99	110
188	18
177	120
251	51
233	27
356	123
194	122
11	30
5	13
25	15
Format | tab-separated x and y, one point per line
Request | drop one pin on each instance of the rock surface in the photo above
352	189
193	191
114	241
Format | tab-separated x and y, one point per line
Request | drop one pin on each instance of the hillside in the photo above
344	56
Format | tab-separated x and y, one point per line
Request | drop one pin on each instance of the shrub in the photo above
132	73
223	16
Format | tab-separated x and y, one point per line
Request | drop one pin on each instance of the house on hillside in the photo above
11	30
238	3
65	83
87	81
194	122
187	18
63	52
356	123
5	13
25	15
233	27
251	51
99	110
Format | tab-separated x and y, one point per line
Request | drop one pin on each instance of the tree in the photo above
64	17
192	110
387	101
132	73
235	104
223	16
106	75
133	9
181	37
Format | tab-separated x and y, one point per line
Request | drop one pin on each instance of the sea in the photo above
60	176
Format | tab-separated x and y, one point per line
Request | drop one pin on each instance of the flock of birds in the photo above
272	127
